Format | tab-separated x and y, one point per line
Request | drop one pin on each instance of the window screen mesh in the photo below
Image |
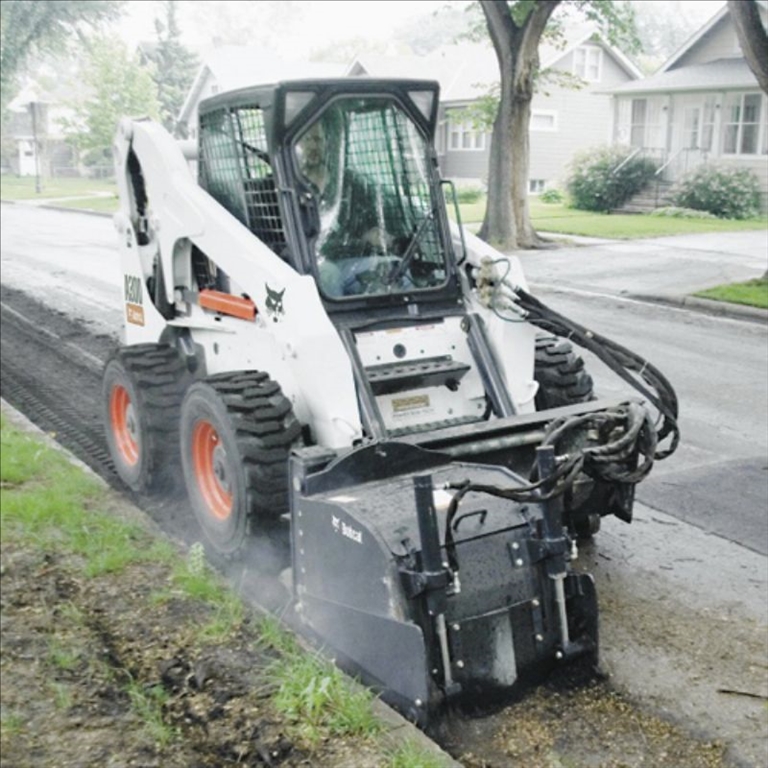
235	170
366	165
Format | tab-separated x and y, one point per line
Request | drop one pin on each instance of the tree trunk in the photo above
507	223
753	38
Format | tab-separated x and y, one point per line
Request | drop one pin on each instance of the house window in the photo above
742	124
639	119
542	120
464	136
536	186
586	63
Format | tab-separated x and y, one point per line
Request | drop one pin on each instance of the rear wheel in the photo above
142	389
560	372
237	431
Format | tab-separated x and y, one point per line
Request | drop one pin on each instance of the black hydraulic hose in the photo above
618	358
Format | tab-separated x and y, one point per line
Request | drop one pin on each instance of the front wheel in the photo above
237	431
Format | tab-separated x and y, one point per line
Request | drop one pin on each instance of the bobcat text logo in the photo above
346	530
274	303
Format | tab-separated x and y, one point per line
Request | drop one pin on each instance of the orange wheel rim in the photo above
124	425
209	461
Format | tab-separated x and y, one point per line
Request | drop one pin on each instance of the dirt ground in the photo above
84	658
76	650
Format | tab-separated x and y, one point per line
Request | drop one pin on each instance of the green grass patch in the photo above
559	219
23	187
60	656
410	755
97	204
752	293
147	702
46	500
320	701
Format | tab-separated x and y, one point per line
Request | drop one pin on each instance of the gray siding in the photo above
583	119
720	42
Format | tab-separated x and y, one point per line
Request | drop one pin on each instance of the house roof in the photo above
720	74
235	67
693	40
466	71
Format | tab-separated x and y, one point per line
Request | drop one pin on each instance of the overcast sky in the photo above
326	21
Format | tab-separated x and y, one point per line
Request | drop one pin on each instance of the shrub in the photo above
469	194
672	211
552	196
728	193
595	183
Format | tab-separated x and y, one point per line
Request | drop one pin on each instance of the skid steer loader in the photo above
309	336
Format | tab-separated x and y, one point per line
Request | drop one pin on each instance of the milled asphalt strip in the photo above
91	361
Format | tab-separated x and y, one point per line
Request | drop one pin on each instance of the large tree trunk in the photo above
753	38
507	223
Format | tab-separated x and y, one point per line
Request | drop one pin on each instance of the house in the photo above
37	116
564	119
703	106
230	67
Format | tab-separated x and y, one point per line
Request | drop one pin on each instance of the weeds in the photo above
410	755
62	657
147	703
11	724
316	696
62	697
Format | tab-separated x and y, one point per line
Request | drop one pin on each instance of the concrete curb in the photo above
400	730
707	306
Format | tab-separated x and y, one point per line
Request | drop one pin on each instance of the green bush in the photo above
595	184
552	196
674	212
728	193
469	194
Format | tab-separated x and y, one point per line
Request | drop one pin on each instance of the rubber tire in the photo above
254	430
150	379
562	378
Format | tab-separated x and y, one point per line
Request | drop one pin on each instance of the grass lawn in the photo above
100	204
557	218
23	188
753	293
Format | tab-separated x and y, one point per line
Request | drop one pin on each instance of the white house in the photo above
703	106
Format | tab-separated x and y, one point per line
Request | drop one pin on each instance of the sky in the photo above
324	22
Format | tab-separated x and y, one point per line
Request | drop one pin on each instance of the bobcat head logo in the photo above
274	303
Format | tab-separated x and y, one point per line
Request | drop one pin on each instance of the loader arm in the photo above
292	337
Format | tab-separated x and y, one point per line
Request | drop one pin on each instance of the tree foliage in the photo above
753	38
174	66
118	86
516	29
45	26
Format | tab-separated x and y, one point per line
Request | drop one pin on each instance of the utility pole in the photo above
33	110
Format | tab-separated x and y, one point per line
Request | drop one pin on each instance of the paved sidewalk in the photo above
664	269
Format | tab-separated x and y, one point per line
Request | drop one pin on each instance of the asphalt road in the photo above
717	480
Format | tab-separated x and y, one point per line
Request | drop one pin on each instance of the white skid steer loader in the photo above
307	334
